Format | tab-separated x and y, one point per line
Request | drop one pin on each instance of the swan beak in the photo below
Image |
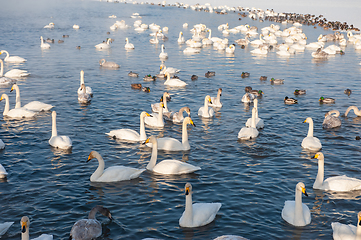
187	191
89	158
304	192
316	156
12	89
1	98
192	123
148	115
304	121
23	227
146	141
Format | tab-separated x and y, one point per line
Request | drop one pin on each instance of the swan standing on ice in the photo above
88	89
205	111
249	132
216	101
128	45
89	228
168	166
310	142
331	121
62	142
197	214
12	59
295	212
15	113
347	232
25	224
112	174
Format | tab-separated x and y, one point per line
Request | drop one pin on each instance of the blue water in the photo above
251	179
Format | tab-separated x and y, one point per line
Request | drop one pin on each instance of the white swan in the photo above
15	113
163	55
249	132
191	50
337	183
44	45
295	212
154	40
12	59
89	228
128	45
104	63
355	110
172	144
2	144
157	106
331	121
76	26
208	41
88	89
177	117
248	98
231	48
3	174
155	119
164	69
25	224
347	232
258	42
83	96
310	142
168	166
62	142
50	25
180	38
174	82
5	81
103	45
259	121
205	111
197	214
216	101
261	50
129	134
4	227
16	73
112	174
34	106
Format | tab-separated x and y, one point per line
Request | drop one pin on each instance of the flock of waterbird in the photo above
198	214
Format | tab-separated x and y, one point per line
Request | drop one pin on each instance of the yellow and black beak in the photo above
12	89
146	141
187	191
304	121
359	221
304	192
23	227
193	123
316	156
148	115
89	158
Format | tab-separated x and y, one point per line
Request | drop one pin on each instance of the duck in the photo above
248	97
320	54
210	74
263	78
245	74
174	82
83	96
331	121
5	226
89	228
136	86
177	117
310	142
146	89
5	81
295	212
156	119
103	45
172	144
197	214
288	100
128	45
191	50
164	99
50	25
88	89
149	78
194	77
347	91
133	74
104	63
347	231
248	89
113	173
163	55
62	142
25	224
299	92
205	111
180	38
129	134
259	121
216	101
355	110
250	132
277	81
44	45
12	59
16	113
337	183
34	106
257	93
231	48
169	166
326	100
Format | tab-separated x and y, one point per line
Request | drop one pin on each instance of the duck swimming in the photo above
326	100
299	92
288	100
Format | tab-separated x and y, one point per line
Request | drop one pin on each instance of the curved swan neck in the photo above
153	159
188	212
100	168
2	68
7	104
7	54
355	109
54	131
143	135
320	174
310	129
81	77
210	34
17	101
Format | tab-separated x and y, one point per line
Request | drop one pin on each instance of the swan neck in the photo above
253	123
298	217
143	135
25	235
160	117
97	174
2	68
310	129
54	131
92	213
153	158
355	109
320	175
219	96
206	112
188	212
7	105
210	34
185	142
165	100
17	101
358	231
81	78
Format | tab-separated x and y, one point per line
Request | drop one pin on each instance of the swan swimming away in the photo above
295	212
89	228
197	214
25	224
205	111
88	89
5	226
355	110
259	121
249	132
310	142
5	81
112	174
83	96
347	232
12	59
104	63
177	117
174	82
331	121
216	101
62	142
34	106
129	134
15	113
172	144
337	183
44	45
168	166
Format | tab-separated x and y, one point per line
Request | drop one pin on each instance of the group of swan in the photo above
4	80
85	93
15	113
156	119
259	121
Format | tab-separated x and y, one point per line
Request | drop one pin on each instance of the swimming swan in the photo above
205	111
155	119
15	113
25	224
83	96
355	110
4	227
197	214
12	59
129	134
62	142
295	212
34	106
157	106
104	63
177	117
259	121
168	166
174	82
172	144
44	45
128	45
112	174
331	121
347	232
249	132
89	228
103	45
3	174
163	55
337	183
180	38
216	101
310	142
88	89
164	69
5	81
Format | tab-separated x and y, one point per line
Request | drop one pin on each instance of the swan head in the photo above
104	211
220	91
25	223
151	139
3	96
208	98
187	110
53	114
145	114
188	120
188	189
319	156
308	120
12	88
92	155
301	187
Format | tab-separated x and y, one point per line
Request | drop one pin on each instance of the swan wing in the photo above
62	142
306	214
16	73
342	184
119	173
20	113
343	231
169	144
44	237
86	229
311	143
204	213
153	121
288	212
4	227
174	167
125	134
37	106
